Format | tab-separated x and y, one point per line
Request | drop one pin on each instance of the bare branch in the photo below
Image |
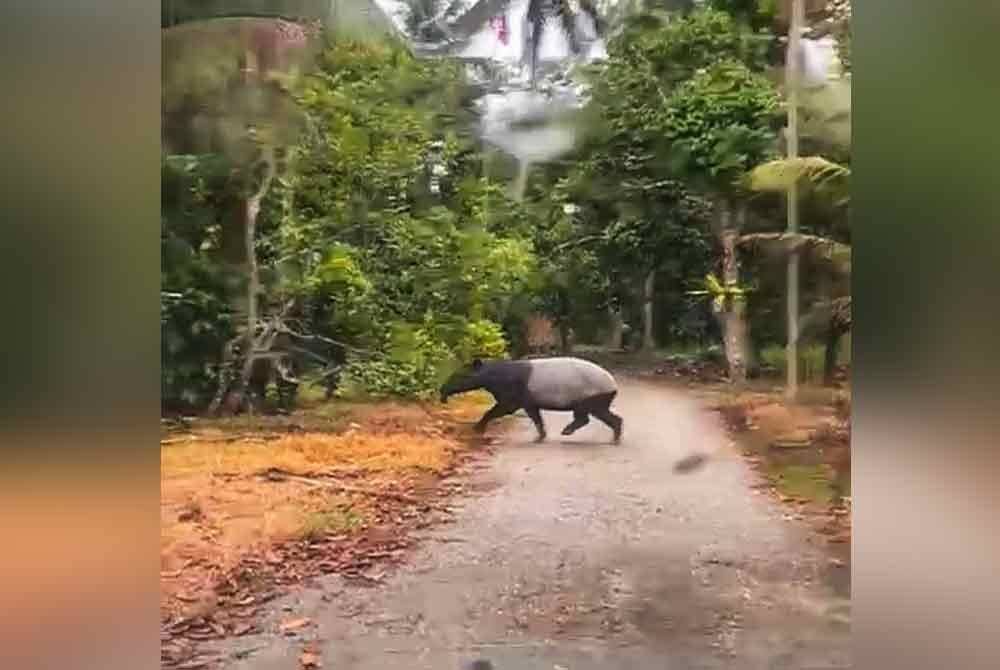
310	354
577	242
279	475
284	372
312	338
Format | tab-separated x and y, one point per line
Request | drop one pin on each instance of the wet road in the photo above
581	555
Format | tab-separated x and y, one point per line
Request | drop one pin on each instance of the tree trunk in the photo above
566	338
617	332
750	359
520	183
838	326
732	317
648	286
251	210
565	341
735	337
830	356
253	289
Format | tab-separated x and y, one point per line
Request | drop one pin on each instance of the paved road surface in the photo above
580	555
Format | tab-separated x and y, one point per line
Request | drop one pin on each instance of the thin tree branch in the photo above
285	329
578	241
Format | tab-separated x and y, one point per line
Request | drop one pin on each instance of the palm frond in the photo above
836	253
541	11
781	175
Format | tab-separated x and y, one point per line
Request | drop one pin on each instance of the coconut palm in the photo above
539	14
831	317
813	172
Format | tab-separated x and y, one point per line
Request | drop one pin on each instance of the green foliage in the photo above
396	249
195	316
398	258
810	361
780	175
720	293
419	359
822	175
414	366
841	14
825	120
757	13
670	50
677	108
417	275
195	324
810	482
720	122
481	339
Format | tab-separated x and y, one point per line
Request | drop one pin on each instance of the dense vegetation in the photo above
344	224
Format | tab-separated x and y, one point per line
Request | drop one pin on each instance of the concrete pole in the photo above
792	79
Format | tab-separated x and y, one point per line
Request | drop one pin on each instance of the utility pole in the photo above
792	80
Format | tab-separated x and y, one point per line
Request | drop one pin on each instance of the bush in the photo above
481	339
194	326
418	360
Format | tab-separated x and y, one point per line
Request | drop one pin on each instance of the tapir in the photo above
559	384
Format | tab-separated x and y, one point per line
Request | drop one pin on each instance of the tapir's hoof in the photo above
567	431
540	439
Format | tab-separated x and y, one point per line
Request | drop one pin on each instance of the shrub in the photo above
481	339
417	360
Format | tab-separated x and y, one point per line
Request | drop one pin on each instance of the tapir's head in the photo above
466	379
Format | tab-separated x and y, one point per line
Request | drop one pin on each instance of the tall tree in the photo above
390	224
453	24
691	88
821	178
226	93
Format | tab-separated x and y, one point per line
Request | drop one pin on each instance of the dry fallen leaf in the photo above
295	624
309	660
194	664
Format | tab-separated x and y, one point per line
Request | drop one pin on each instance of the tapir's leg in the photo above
498	410
602	410
580	419
536	417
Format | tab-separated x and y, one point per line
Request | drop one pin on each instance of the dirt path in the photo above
580	555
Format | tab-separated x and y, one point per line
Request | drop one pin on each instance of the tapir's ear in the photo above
476	364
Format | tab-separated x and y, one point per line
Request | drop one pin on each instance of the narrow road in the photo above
580	555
